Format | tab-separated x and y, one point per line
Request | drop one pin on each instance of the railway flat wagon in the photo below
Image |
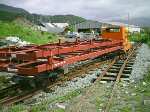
33	60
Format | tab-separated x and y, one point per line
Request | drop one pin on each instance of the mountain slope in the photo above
71	19
140	21
9	13
7	8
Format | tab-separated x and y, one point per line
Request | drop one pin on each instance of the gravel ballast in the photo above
142	63
70	86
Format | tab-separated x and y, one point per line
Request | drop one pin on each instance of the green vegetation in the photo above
8	13
141	89
143	37
71	28
143	93
44	106
4	82
25	33
71	19
7	16
15	108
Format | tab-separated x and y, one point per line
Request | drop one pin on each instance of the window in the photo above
112	30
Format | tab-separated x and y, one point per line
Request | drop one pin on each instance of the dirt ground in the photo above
129	97
92	100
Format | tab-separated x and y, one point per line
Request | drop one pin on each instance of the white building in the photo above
131	28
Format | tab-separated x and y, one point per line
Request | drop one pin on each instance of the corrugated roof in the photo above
88	24
55	27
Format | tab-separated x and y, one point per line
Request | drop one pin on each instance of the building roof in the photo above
120	24
55	27
61	25
88	24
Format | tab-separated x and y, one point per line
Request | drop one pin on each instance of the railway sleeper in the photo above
113	70
131	63
120	62
127	71
108	79
117	64
108	74
128	66
112	77
132	59
125	75
115	67
125	79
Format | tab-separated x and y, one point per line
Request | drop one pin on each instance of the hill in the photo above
71	19
11	9
9	13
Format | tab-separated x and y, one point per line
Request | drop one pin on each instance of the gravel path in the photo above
142	63
69	86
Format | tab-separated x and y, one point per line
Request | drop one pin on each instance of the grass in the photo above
143	37
25	33
44	105
142	92
4	82
15	108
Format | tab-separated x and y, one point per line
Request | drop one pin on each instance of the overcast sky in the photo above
90	9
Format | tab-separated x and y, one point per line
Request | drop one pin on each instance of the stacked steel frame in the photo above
32	60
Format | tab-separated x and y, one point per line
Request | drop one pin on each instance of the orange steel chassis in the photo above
32	60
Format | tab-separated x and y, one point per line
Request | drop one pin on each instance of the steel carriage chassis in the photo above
48	78
33	60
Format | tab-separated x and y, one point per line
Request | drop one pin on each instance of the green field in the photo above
25	33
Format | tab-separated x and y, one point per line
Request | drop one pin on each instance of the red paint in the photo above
32	60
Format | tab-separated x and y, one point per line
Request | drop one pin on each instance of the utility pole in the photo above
128	24
128	20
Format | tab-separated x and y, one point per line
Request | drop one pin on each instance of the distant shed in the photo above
88	26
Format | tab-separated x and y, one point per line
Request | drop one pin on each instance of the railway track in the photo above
107	75
17	98
4	92
83	69
8	99
79	72
119	70
14	94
